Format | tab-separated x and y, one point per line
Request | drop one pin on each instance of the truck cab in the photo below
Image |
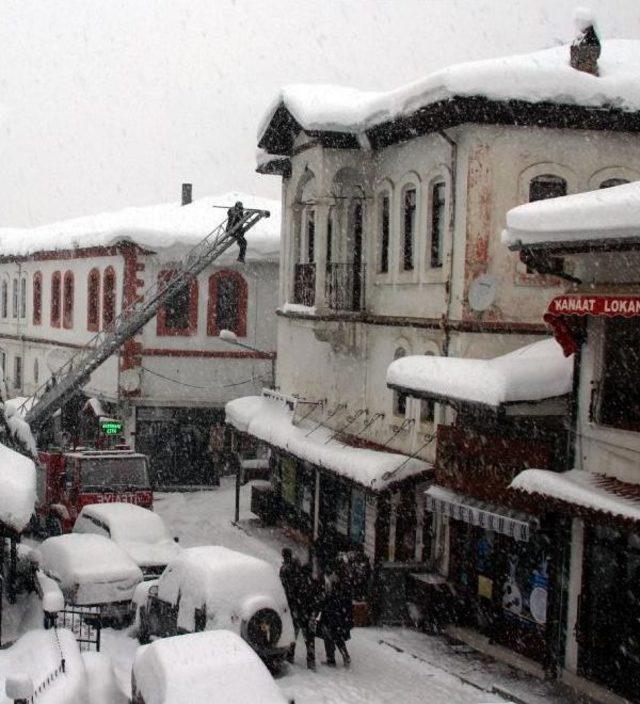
67	481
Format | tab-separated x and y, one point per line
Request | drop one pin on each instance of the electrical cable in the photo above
194	386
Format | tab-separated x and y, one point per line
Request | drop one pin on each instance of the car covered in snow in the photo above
141	533
212	587
216	667
91	570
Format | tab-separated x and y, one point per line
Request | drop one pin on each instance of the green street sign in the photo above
111	427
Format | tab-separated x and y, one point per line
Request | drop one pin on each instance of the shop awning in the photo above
565	313
503	520
582	493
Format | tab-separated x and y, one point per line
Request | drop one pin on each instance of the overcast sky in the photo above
109	103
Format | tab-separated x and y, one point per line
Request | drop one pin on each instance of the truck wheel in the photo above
263	629
54	526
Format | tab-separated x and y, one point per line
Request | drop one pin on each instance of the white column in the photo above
575	587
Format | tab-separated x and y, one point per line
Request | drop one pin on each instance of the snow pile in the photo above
168	226
102	678
270	421
532	373
605	214
543	76
36	655
579	488
17	488
218	667
90	569
231	585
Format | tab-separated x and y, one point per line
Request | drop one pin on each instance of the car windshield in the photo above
115	472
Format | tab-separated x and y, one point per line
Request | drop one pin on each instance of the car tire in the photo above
144	631
263	629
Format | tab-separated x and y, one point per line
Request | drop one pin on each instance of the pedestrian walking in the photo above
336	618
234	216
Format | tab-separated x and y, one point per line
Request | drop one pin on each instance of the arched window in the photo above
611	182
438	223
5	298
310	226
409	201
93	300
399	399
179	315
67	300
227	306
37	298
546	186
108	298
384	229
23	297
56	294
14	297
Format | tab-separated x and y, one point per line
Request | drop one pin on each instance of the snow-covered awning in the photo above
503	520
18	494
608	217
580	492
533	373
270	421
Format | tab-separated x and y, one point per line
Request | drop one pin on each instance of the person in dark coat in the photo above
234	216
336	617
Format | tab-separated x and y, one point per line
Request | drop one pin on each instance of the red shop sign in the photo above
584	304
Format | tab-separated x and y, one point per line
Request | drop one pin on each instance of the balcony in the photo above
304	284
344	287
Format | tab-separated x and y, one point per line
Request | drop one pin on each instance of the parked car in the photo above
141	533
216	667
209	588
91	570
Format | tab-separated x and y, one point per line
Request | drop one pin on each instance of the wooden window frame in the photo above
212	324
93	293
68	299
56	299
162	328
438	224
37	298
409	214
108	298
384	212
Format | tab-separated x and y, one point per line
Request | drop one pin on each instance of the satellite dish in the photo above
482	292
56	358
130	380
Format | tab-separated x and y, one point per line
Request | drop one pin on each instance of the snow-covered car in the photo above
215	667
141	533
91	570
209	588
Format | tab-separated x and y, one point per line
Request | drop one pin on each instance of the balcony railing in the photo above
344	287
304	284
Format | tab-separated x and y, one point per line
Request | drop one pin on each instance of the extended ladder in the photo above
75	373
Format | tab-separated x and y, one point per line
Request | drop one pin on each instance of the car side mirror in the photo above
153	591
176	539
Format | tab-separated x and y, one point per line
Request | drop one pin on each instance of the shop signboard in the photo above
110	426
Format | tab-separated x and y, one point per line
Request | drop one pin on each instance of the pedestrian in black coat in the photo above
336	617
234	216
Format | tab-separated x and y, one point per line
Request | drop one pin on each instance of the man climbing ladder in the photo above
234	216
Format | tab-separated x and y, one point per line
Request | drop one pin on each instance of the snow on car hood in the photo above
151	554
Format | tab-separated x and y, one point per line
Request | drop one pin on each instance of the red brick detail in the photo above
212	323
37	298
131	355
192	326
208	354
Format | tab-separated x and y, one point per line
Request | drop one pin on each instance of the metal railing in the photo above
345	286
304	284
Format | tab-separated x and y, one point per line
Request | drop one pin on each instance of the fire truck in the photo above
68	480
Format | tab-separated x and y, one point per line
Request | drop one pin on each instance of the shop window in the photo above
23	297
14	298
611	182
406	527
5	299
37	298
385	228
399	399
357	522
408	227
108	298
438	218
56	295
93	300
179	315
427	410
547	186
619	403
17	373
227	306
67	300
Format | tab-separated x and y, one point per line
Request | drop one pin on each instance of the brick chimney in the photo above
585	50
186	193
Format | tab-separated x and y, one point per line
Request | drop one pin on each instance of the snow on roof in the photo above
158	227
542	76
580	488
215	666
269	421
532	373
128	522
18	494
36	655
221	579
608	214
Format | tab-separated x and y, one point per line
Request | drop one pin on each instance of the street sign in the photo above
111	427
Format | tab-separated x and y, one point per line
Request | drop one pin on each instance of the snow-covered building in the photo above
62	283
393	205
597	321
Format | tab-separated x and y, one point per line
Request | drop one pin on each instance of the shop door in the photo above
609	625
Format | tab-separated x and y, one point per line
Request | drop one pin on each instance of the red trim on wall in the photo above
68	293
131	295
192	326
76	253
108	298
93	300
37	298
56	298
208	354
212	324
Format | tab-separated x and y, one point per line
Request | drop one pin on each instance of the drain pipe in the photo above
452	221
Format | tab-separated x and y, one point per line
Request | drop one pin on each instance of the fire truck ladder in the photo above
75	373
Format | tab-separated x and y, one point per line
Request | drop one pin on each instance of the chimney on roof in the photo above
186	193
585	50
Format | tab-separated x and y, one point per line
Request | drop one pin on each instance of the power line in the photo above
195	386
